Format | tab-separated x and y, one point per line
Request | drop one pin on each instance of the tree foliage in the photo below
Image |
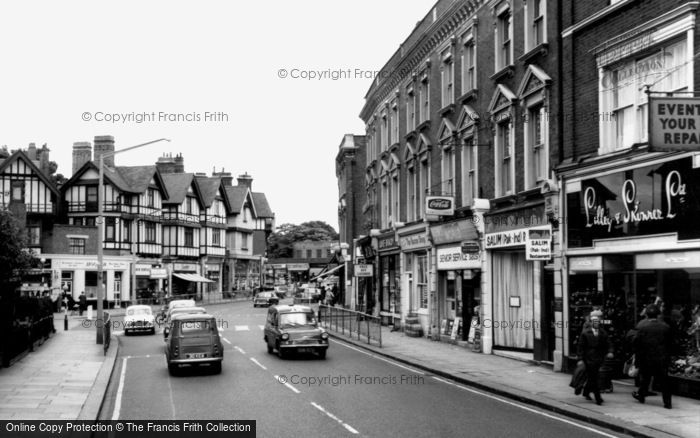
13	256
279	244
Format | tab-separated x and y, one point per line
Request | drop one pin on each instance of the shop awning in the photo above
195	278
315	271
328	272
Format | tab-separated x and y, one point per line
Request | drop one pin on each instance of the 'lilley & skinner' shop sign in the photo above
654	199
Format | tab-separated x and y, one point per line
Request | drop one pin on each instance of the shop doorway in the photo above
471	299
544	347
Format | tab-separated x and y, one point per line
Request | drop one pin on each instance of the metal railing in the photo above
351	323
23	335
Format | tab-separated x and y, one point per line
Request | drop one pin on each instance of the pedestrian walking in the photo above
593	348
652	352
82	301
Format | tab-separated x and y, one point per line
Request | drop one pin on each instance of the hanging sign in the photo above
674	124
538	245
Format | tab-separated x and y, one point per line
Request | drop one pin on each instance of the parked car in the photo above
307	295
265	299
139	318
179	311
195	341
181	303
294	329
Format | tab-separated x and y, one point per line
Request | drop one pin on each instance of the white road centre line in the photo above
120	390
517	405
345	425
258	363
242	328
239	349
287	384
227	341
379	357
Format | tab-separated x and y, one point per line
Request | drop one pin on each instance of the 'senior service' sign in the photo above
674	124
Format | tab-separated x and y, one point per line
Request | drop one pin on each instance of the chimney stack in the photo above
104	144
31	151
44	159
179	164
166	164
245	180
82	153
226	177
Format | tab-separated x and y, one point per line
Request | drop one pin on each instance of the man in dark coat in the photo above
593	348
652	353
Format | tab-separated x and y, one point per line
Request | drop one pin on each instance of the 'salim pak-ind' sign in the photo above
674	123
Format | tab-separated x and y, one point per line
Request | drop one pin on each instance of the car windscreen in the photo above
297	319
264	295
197	327
142	311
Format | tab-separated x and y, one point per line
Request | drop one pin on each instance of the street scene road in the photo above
350	392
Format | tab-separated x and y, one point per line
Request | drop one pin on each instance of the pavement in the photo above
539	385
66	377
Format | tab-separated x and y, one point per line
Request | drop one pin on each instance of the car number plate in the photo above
305	350
196	355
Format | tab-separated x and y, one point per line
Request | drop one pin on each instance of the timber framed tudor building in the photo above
166	231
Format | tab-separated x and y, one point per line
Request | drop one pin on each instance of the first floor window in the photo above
34	235
76	246
110	225
150	228
504	159
469	171
189	237
216	237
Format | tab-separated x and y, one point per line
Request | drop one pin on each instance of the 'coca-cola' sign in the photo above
440	205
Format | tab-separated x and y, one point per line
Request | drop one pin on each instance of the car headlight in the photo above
324	335
285	336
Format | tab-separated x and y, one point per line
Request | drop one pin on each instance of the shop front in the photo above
298	272
458	262
212	271
632	240
185	278
365	276
389	270
79	274
519	315
416	274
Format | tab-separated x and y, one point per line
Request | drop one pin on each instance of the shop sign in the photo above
538	245
440	205
386	243
90	264
212	267
278	266
142	270
363	270
454	232
297	266
512	237
452	257
157	273
584	264
185	267
414	241
529	217
674	123
656	199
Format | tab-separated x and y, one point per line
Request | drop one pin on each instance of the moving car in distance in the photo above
139	318
179	311
195	341
294	329
265	299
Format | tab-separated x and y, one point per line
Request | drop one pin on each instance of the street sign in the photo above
159	273
674	123
469	247
363	270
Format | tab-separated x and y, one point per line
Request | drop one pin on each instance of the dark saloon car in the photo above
194	340
266	299
294	329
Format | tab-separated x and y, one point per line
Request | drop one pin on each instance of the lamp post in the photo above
100	234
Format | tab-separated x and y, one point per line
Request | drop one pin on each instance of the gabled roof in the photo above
177	185
130	179
209	188
236	197
19	155
262	207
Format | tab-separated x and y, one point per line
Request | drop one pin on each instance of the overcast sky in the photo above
66	62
